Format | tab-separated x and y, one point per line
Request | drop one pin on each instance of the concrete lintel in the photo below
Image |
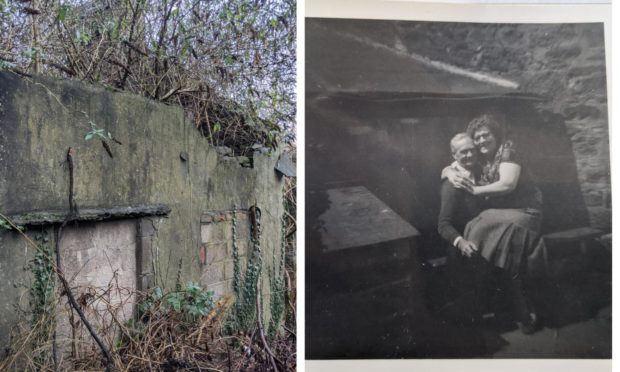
40	218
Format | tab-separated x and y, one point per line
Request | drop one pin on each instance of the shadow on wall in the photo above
396	145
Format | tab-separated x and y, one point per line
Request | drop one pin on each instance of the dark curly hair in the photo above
487	121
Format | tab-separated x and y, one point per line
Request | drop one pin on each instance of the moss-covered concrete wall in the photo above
163	159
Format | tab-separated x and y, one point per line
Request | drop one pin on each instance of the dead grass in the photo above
160	340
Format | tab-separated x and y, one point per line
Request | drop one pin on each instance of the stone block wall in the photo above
562	62
216	255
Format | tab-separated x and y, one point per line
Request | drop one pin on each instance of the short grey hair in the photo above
456	138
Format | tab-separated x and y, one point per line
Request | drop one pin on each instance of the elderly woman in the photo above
506	232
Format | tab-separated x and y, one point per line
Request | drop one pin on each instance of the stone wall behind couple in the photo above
564	62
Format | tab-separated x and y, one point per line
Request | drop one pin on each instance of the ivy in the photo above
6	225
278	287
42	295
243	315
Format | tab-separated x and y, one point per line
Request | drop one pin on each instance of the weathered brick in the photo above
229	272
216	252
220	289
213	273
243	246
243	229
216	232
206	218
206	231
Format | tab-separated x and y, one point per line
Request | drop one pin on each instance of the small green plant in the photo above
6	225
5	65
191	303
97	132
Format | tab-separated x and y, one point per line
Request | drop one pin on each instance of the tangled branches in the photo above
229	63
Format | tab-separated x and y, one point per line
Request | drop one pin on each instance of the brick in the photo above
243	246
203	254
226	231
206	218
220	289
243	229
212	274
241	216
215	252
229	269
222	232
206	231
216	232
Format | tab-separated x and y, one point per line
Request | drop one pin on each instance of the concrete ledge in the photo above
573	235
40	218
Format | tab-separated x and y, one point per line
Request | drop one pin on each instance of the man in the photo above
467	269
457	205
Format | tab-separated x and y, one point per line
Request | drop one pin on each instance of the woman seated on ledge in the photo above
506	233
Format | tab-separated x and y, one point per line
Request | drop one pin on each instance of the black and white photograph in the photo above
458	190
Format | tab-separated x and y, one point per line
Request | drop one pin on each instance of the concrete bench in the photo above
580	236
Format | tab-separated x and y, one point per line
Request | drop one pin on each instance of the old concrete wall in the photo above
162	160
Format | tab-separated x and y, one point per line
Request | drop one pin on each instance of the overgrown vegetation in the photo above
229	63
184	329
178	330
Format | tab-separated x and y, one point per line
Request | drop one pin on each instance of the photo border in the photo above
446	12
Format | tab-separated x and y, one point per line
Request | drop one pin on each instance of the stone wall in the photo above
159	159
563	62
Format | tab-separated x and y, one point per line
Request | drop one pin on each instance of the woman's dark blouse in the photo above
525	196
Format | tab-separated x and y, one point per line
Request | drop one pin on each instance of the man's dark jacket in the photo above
457	208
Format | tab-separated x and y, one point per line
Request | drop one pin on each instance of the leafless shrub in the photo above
229	63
